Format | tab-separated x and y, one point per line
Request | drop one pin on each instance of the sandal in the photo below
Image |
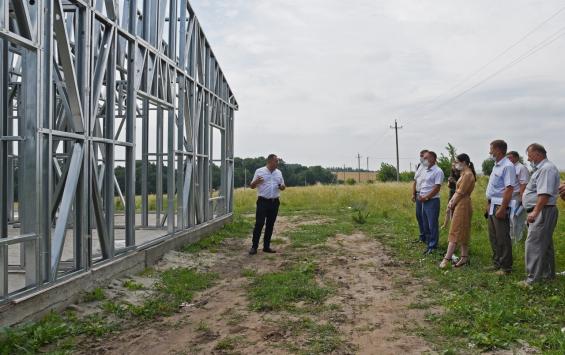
462	263
445	263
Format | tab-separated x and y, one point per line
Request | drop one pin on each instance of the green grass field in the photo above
482	311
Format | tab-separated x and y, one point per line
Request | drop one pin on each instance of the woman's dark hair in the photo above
464	158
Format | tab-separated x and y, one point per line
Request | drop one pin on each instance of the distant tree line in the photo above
294	174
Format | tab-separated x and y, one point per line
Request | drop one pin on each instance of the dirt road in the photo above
369	307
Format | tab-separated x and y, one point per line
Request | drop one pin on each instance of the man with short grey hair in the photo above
540	199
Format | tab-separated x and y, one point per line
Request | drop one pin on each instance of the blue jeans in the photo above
431	222
420	219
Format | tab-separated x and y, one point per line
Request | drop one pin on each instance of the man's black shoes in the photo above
253	251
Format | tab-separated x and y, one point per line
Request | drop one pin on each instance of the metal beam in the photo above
68	68
65	209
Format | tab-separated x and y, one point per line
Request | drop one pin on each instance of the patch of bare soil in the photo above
375	294
372	298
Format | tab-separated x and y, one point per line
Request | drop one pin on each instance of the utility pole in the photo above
244	178
367	163
359	167
396	128
344	173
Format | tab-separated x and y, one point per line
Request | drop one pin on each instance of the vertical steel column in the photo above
46	26
29	160
131	127
144	163
175	118
82	248
181	107
109	119
159	177
171	173
4	75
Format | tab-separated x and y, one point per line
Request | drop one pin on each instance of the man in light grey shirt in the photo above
540	199
502	194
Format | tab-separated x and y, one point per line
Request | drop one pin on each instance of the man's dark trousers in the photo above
267	210
420	218
500	242
430	211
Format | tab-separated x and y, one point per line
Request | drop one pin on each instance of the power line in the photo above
541	45
498	56
484	66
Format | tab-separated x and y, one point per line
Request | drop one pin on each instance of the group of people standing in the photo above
511	192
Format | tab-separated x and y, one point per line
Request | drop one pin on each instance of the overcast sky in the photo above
319	81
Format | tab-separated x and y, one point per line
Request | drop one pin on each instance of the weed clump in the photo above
281	290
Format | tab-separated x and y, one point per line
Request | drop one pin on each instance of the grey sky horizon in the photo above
319	81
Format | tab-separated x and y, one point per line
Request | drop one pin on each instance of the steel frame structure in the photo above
88	86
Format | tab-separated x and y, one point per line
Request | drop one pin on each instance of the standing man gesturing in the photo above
502	193
269	183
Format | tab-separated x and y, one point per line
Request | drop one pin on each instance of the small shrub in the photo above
360	212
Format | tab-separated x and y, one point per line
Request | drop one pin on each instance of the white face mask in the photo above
426	163
533	165
492	157
459	166
421	160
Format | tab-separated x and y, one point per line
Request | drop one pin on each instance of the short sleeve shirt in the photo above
418	177
522	173
503	175
269	188
430	178
544	181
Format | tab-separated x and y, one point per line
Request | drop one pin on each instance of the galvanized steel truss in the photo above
89	86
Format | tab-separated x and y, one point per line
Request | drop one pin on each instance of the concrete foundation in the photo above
60	295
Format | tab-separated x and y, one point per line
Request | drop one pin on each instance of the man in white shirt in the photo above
429	197
522	173
269	183
418	178
502	195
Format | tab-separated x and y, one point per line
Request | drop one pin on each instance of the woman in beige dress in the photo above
461	211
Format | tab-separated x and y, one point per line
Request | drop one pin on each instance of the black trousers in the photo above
266	211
